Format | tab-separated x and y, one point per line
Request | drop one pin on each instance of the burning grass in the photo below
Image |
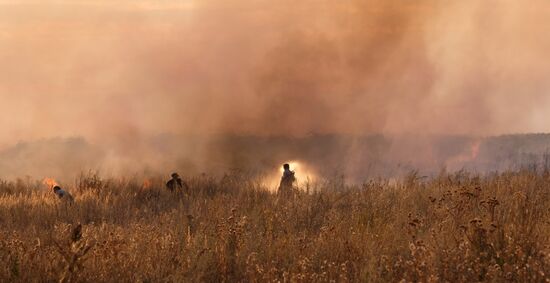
455	227
50	183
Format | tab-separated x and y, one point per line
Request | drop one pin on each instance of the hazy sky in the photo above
113	70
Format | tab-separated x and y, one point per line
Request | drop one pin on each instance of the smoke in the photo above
121	74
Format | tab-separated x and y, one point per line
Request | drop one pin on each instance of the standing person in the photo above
288	179
62	194
176	184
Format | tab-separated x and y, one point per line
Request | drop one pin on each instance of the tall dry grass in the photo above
453	228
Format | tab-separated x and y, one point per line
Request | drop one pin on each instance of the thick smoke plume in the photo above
121	74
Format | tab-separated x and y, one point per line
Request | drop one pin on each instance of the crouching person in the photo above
62	194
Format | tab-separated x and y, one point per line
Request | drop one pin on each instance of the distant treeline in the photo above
357	157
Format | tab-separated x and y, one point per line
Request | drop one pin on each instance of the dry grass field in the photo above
452	228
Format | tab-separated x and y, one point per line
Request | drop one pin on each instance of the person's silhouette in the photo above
287	181
176	183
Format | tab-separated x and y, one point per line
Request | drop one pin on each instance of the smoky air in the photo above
360	87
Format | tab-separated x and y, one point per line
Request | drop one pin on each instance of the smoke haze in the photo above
121	74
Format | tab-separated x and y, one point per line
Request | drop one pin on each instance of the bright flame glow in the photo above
469	155
474	148
302	170
303	174
294	165
146	184
50	183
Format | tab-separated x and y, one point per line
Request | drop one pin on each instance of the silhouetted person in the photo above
176	184
287	181
62	194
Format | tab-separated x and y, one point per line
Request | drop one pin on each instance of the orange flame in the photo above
50	182
474	148
304	174
471	154
146	184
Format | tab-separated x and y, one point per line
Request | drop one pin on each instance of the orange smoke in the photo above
296	67
282	68
50	183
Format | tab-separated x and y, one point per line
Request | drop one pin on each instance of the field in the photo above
457	227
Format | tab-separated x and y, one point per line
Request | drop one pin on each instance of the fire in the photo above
474	148
146	184
50	182
294	165
470	154
304	173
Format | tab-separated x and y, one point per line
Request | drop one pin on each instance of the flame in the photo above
146	184
474	149
469	155
294	165
304	173
50	182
